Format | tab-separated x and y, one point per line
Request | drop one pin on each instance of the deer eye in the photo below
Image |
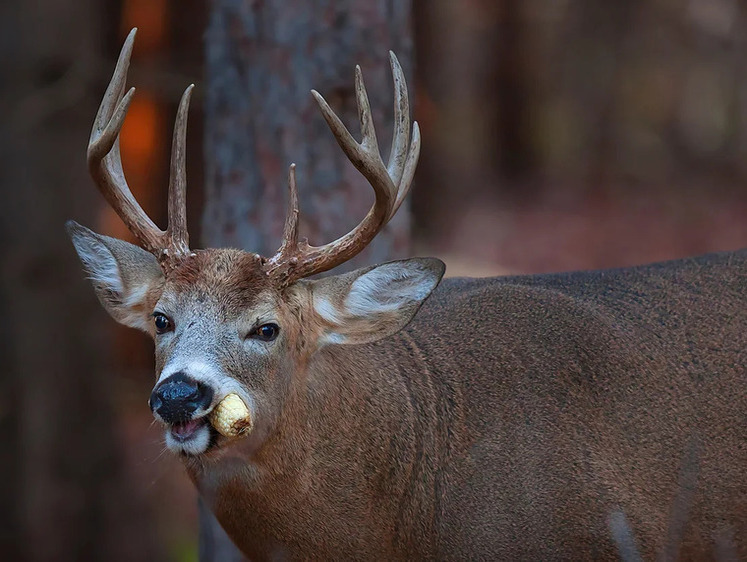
266	332
162	323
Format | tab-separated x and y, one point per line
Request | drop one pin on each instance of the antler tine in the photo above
104	162
290	230
390	183
105	166
177	229
364	156
369	145
402	163
287	254
411	162
401	134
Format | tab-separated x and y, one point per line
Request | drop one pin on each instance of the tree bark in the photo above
262	58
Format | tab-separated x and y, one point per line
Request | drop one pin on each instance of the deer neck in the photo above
353	426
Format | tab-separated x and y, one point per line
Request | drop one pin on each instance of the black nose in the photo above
178	397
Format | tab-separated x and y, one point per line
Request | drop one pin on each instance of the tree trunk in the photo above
262	60
65	495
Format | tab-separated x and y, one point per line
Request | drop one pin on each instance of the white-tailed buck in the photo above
390	416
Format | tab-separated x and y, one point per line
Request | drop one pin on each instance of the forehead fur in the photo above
232	277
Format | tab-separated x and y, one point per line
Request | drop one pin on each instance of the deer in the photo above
398	415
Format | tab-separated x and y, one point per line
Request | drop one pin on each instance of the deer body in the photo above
509	420
569	416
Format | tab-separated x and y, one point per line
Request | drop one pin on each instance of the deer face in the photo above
221	326
230	322
216	328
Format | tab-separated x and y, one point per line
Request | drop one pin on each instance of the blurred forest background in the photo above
557	135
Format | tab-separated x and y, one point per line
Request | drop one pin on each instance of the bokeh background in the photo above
558	135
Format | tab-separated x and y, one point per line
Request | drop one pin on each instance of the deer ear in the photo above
371	303
124	276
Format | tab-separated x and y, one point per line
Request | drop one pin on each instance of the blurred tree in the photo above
476	105
510	77
262	60
64	492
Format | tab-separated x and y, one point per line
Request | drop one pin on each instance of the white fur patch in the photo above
328	311
135	296
195	445
332	337
389	287
198	370
135	319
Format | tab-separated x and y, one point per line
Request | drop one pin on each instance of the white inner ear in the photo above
388	288
100	264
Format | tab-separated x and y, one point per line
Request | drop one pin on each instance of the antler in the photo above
105	166
295	260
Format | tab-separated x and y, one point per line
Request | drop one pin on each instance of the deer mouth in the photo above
191	437
185	431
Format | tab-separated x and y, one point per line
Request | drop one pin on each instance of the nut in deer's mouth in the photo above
231	417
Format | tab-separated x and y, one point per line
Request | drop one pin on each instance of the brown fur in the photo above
509	421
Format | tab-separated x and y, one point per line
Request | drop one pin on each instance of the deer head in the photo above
228	321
